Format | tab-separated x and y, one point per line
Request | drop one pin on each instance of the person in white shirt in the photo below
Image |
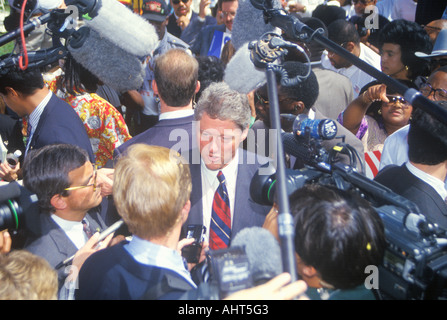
395	149
345	34
421	178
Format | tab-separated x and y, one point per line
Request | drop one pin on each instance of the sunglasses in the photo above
178	1
394	99
95	174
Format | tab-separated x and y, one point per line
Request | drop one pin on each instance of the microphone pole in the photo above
264	53
27	28
285	219
298	30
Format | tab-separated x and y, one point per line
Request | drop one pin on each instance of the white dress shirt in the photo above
210	184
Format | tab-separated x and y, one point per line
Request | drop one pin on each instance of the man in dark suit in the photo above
421	179
50	120
223	117
175	83
152	192
202	42
65	183
186	24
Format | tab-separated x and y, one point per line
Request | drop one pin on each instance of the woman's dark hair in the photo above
76	78
338	233
411	38
45	171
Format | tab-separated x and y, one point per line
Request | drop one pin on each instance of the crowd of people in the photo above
184	148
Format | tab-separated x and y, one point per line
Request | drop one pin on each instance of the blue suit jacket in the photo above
193	28
247	213
180	130
201	44
113	274
59	123
53	244
401	181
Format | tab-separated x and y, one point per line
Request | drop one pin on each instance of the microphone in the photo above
112	65
247	81
323	129
249	24
119	24
263	253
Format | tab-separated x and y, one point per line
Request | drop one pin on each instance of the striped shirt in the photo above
34	117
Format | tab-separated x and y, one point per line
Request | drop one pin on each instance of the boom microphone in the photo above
241	74
263	252
249	24
119	25
112	65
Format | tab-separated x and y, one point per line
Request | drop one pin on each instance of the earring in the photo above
406	68
379	111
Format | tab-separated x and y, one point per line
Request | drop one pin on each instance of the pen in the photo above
102	236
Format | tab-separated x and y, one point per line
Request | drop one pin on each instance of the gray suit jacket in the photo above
246	212
54	245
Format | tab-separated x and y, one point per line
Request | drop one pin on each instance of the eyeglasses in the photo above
401	100
438	94
95	174
261	99
438	62
229	14
431	28
178	1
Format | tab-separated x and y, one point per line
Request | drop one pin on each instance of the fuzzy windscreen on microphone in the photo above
112	65
124	28
249	24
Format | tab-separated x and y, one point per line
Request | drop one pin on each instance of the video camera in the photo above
415	262
18	208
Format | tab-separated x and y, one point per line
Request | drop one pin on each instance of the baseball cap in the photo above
156	10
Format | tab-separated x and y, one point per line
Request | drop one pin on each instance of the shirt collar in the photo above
176	114
148	253
34	117
230	170
437	184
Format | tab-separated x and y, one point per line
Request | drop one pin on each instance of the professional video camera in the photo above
415	261
18	208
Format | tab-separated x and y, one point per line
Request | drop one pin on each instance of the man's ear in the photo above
58	202
350	46
309	271
154	87
197	86
298	107
185	211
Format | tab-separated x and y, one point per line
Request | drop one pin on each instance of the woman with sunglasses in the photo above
393	112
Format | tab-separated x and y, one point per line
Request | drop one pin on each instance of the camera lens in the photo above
9	215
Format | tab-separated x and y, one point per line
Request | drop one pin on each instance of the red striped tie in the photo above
220	230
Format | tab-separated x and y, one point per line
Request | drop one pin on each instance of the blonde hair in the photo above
151	186
25	276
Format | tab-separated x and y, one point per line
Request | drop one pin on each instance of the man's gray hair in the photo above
221	102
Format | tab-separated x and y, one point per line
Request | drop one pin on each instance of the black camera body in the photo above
19	209
414	265
192	252
415	260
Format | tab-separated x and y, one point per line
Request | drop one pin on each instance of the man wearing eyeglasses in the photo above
186	24
395	149
65	182
202	42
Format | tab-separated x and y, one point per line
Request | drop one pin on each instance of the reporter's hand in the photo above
105	181
89	248
5	241
279	288
7	173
